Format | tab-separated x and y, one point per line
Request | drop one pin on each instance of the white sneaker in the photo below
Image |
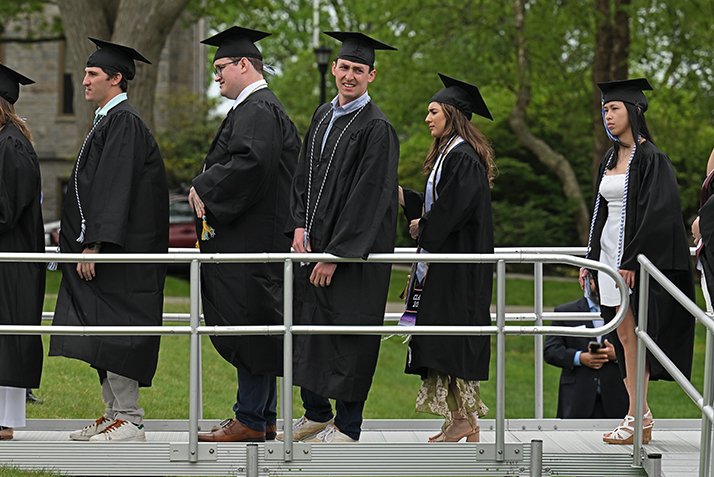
331	434
120	431
304	428
93	429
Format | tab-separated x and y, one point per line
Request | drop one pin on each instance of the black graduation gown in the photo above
578	389
124	196
246	191
654	227
356	216
458	294
22	285
706	228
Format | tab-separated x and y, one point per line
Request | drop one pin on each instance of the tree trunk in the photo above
555	161
612	47
141	24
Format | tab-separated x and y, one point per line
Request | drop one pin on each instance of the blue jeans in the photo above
256	400
349	414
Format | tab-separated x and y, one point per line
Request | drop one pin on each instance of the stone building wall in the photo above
182	66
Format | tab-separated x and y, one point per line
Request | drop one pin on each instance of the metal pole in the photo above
500	360
323	91
705	446
536	469
641	362
194	371
251	460
287	387
538	292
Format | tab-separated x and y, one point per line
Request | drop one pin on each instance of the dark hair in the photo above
123	84
638	126
257	64
7	115
458	123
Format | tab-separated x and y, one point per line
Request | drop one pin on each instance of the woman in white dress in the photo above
637	211
22	285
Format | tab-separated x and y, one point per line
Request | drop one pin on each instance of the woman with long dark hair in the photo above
452	216
637	211
22	284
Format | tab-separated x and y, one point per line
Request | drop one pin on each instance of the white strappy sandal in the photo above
625	432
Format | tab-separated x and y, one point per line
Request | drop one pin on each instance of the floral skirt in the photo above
435	397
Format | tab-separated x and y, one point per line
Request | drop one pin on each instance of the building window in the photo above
66	88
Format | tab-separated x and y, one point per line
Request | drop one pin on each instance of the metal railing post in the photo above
194	370
536	469
641	363
251	460
538	348
287	381
500	360
705	445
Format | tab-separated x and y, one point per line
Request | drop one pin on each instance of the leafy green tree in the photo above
185	136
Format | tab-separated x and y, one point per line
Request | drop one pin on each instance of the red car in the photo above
182	225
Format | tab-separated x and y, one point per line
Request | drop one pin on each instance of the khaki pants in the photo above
121	396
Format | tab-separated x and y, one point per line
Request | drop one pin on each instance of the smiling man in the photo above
344	202
117	202
241	202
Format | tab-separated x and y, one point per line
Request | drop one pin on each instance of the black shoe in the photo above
32	399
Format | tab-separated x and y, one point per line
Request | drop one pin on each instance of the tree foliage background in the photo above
534	63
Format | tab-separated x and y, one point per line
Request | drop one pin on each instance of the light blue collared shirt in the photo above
112	102
594	308
339	111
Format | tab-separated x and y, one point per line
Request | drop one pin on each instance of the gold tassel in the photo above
208	231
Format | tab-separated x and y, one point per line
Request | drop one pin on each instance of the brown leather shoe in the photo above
270	431
233	431
5	433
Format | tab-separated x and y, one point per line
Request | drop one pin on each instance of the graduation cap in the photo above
629	91
463	96
10	81
115	57
357	47
236	42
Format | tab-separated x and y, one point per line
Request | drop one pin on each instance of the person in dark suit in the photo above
590	383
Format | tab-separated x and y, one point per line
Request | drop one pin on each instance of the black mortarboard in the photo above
10	81
629	91
115	57
357	47
236	42
463	96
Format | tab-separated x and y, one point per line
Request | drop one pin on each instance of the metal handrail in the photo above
645	343
195	330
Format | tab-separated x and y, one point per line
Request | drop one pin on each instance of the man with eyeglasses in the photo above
241	199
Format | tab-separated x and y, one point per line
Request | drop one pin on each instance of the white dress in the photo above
612	189
12	407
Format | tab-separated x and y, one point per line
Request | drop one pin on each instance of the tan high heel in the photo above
471	435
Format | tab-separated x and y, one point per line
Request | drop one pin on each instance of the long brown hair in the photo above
458	123
7	115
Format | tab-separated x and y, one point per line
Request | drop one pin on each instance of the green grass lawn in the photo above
70	388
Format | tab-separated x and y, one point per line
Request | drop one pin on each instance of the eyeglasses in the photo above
219	68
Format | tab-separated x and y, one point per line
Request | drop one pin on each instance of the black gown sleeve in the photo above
657	217
15	193
413	204
372	193
106	208
229	189
458	192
